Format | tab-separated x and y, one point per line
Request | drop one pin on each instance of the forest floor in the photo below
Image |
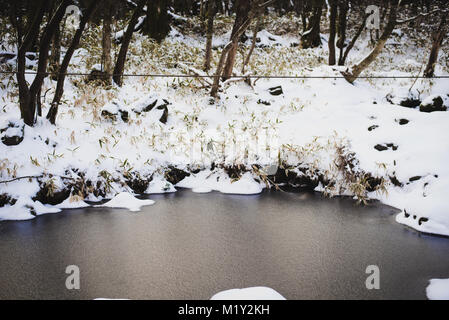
157	133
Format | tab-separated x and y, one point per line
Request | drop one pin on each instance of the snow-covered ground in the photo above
342	137
438	289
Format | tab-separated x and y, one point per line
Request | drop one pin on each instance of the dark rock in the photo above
385	146
267	103
402	121
276	91
150	106
415	178
98	75
392	146
111	113
380	147
5	56
124	115
138	184
6	199
435	105
422	219
410	102
395	181
373	183
235	171
108	115
13	133
174	175
371	128
292	179
406	214
46	196
163	119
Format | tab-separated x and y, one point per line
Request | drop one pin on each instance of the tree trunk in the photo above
106	42
211	11
242	8
311	37
51	115
121	58
343	8
437	41
26	113
253	43
354	73
156	24
342	59
332	31
29	97
55	50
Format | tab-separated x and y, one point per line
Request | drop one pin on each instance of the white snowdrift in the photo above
23	208
254	293
126	200
438	289
206	181
72	203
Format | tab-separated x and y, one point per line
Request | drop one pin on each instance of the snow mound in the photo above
254	293
205	181
25	209
438	289
160	185
72	203
126	200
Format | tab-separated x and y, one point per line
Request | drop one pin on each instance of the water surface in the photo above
191	246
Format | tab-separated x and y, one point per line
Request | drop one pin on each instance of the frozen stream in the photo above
191	246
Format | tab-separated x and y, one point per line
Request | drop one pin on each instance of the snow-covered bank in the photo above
438	289
154	134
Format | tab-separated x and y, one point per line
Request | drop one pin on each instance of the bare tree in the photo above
438	37
311	38
242	9
351	74
332	30
211	12
52	113
106	40
344	52
156	23
253	43
255	9
343	8
29	96
121	58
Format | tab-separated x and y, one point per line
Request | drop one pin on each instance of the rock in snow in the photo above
127	201
432	103
438	289
254	293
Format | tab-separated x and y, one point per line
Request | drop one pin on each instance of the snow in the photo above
22	210
254	293
303	127
72	203
126	201
160	185
205	182
438	289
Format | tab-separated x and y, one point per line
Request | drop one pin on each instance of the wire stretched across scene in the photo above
233	76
